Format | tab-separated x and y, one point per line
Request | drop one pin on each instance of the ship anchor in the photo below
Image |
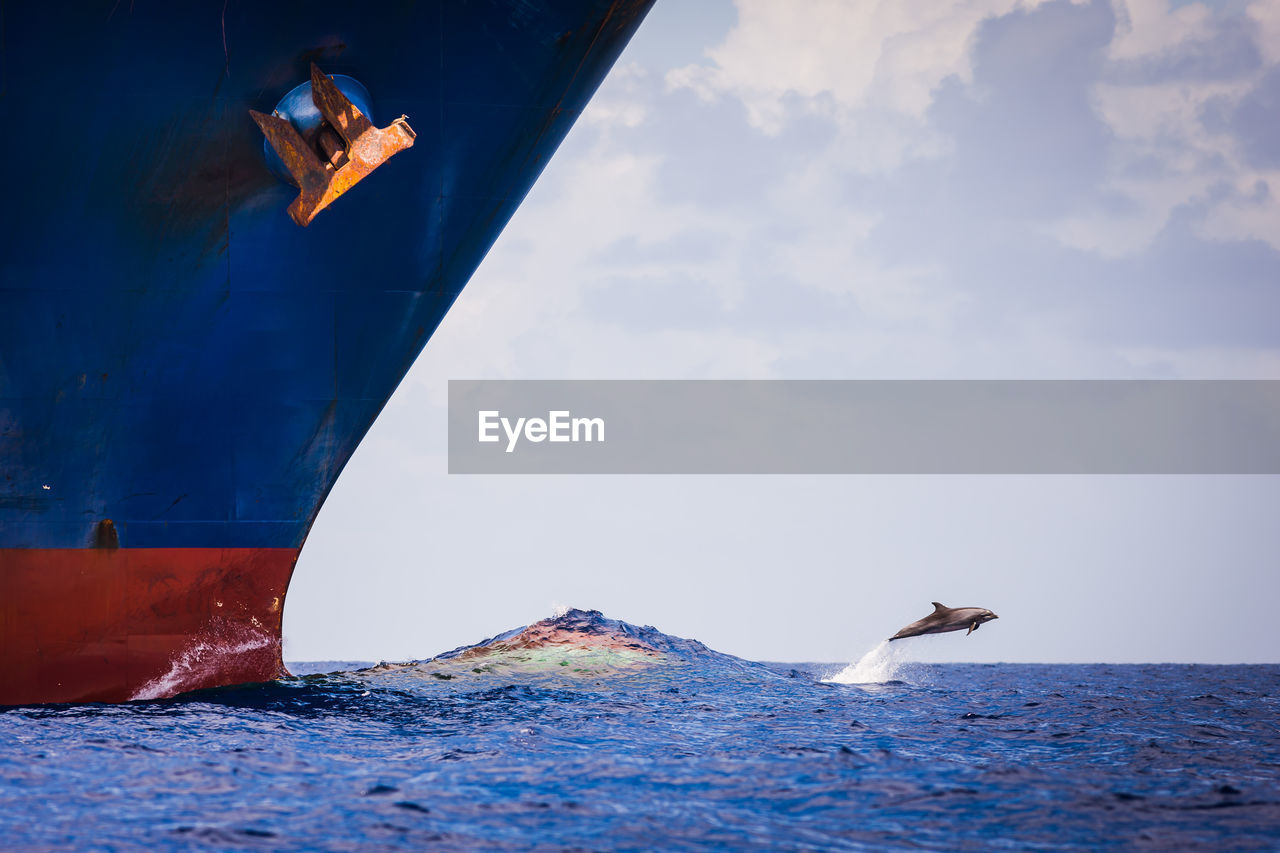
349	143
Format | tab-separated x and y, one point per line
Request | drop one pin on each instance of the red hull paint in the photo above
109	625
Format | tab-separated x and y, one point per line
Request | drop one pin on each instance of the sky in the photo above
857	189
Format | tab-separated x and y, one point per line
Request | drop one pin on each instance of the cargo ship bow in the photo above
215	273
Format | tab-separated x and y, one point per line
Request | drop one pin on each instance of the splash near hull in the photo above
184	370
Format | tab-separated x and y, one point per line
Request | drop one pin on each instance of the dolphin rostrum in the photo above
944	619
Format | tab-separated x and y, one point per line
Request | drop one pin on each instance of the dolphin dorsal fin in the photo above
939	607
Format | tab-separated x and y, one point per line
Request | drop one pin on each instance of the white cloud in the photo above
1149	27
1250	212
872	68
836	56
1164	156
1266	14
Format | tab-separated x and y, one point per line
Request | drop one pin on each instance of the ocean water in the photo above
592	734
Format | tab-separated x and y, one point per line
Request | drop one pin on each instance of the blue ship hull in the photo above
184	371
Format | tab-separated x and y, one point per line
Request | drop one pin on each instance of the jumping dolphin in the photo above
944	619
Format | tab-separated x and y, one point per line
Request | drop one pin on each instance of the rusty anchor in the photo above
352	148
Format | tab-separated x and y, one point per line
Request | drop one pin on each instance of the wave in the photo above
572	644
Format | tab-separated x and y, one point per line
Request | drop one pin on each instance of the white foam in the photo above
881	664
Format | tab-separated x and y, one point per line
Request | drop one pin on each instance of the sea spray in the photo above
883	663
202	663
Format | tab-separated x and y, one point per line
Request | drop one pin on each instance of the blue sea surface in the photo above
695	751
